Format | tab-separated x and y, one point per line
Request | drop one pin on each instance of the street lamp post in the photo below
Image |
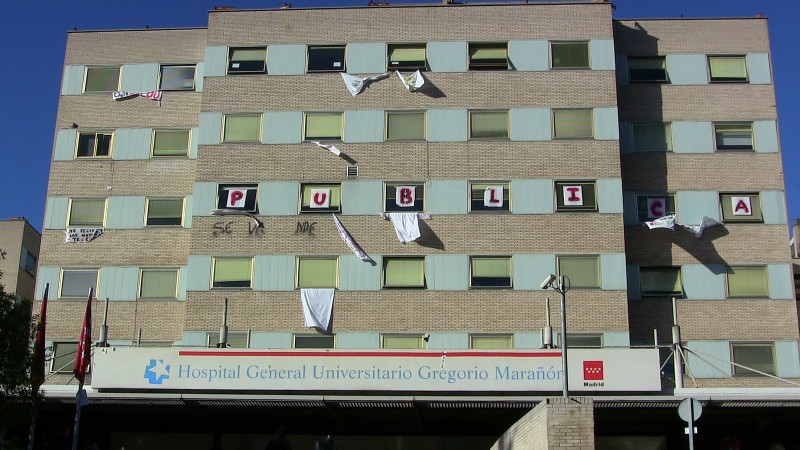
561	285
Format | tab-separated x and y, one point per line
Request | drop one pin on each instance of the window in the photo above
661	281
488	124
490	341
247	60
242	128
572	124
652	137
102	79
95	144
165	211
154	343
575	196
28	263
326	59
87	212
489	196
239	197
317	272
405	126
316	198
753	355
653	206
490	272
404	272
159	283
75	283
177	78
232	272
740	207
747	282
323	126
734	136
171	142
313	341
730	69
404	197
584	340
401	341
648	70
569	55
488	56
407	57
582	271
236	339
63	359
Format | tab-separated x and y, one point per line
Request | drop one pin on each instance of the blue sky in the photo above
35	34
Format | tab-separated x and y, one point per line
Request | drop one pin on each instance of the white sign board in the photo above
373	370
74	235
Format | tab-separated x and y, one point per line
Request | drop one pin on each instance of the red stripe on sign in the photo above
373	354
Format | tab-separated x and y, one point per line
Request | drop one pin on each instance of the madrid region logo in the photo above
156	372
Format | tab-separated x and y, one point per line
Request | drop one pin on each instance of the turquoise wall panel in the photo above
278	198
194	339
72	81
687	69
758	69
634	288
183	279
703	282
366	57
528	340
363	126
65	144
609	195
530	124
198	77
630	210
622	69
357	275
601	54
118	283
781	281
694	205
265	339
787	360
282	127
765	135
125	212
199	276
210	128
55	213
205	198
706	363
446	197
274	273
606	124
194	137
626	137
358	340
616	339
447	125
46	275
286	59
612	272
216	61
139	77
773	207
447	56
532	196
447	272
692	137
531	270
362	197
188	207
529	55
448	341
132	143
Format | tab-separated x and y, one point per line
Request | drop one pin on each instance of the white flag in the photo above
356	85
328	147
412	81
348	239
697	230
662	222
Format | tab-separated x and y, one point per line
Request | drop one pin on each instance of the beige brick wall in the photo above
722	102
93	111
554	423
136	46
15	233
156	177
144	247
713	36
739	382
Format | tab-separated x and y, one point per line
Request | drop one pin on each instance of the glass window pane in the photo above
391	198
654	206
236	339
569	55
326	59
405	126
407	56
647	69
483	201
734	136
313	341
661	281
159	283
63	356
490	272
164	211
316	273
247	60
490	342
332	197
76	283
171	142
324	126
575	196
87	212
232	272
652	137
177	78
248	54
488	124
493	56
582	271
754	356
242	128
741	207
102	79
584	340
747	282
401	342
727	68
403	272
572	123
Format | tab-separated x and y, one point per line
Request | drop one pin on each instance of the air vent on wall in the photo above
351	171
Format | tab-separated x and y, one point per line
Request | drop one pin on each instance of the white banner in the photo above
741	206
528	371
320	198
493	196
404	196
74	235
573	195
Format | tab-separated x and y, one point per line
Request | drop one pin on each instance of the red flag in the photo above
84	353
37	369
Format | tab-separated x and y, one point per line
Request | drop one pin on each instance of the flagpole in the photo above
81	363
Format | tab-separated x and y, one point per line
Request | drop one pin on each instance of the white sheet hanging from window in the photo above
411	81
698	230
330	148
356	85
318	308
349	241
152	95
406	226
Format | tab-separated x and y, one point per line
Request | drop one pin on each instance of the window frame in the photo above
420	340
299	260
256	68
651	293
333	69
225	140
181	218
598	271
72	349
476	202
96	134
642	215
711	78
726	198
670	144
216	259
483	64
477	113
86	78
478	336
558	188
241	186
62	274
101	224
177	66
185	153
237	335
409	64
510	265
424	115
765	278
389	194
143	270
554	131
661	80
719	135
388	259
742	372
307	138
322	185
553	65
598	336
309	336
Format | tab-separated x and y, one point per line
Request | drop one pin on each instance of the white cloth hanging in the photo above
329	147
412	81
317	308
406	226
348	239
356	85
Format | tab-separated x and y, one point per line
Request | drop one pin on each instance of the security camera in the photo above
548	281
426	337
